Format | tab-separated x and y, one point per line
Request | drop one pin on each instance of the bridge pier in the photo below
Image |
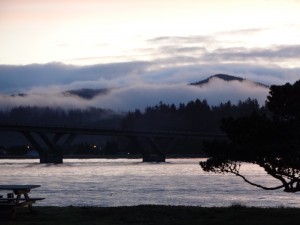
49	153
154	145
150	149
51	158
154	158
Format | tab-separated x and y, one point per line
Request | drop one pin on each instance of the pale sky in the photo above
90	31
144	51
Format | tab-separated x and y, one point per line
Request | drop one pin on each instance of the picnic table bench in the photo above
19	197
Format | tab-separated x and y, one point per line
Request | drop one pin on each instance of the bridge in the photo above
45	139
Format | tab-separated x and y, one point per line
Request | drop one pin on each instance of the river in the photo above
127	182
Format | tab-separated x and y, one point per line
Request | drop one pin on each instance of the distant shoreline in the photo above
171	156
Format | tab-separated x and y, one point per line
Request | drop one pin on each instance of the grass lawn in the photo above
150	214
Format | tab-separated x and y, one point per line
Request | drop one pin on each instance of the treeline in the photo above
195	116
47	116
13	143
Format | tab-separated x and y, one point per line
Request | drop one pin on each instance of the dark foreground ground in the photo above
146	215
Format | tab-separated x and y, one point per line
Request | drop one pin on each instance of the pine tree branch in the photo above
257	185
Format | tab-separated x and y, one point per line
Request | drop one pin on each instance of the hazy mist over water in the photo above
127	182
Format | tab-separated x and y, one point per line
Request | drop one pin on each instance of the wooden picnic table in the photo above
22	197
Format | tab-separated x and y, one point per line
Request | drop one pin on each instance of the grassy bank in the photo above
146	215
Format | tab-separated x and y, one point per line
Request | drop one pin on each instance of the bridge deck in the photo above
105	131
48	136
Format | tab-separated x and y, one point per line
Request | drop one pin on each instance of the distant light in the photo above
28	147
95	146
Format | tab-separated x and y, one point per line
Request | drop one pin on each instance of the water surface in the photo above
119	182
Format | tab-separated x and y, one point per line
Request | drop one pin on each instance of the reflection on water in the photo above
116	182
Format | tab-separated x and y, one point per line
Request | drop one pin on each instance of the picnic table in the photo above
19	197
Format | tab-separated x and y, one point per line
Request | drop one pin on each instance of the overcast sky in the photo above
55	45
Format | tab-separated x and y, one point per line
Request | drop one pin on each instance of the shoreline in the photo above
171	156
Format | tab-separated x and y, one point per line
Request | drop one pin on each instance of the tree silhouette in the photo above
271	141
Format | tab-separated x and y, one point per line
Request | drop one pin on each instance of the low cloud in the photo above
23	78
137	84
140	95
217	91
134	85
56	100
181	39
275	52
250	31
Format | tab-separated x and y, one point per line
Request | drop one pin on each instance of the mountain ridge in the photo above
227	78
86	93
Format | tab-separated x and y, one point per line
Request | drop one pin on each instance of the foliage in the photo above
270	141
51	116
196	116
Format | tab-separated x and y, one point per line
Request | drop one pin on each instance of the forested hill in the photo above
47	116
195	116
86	93
228	78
